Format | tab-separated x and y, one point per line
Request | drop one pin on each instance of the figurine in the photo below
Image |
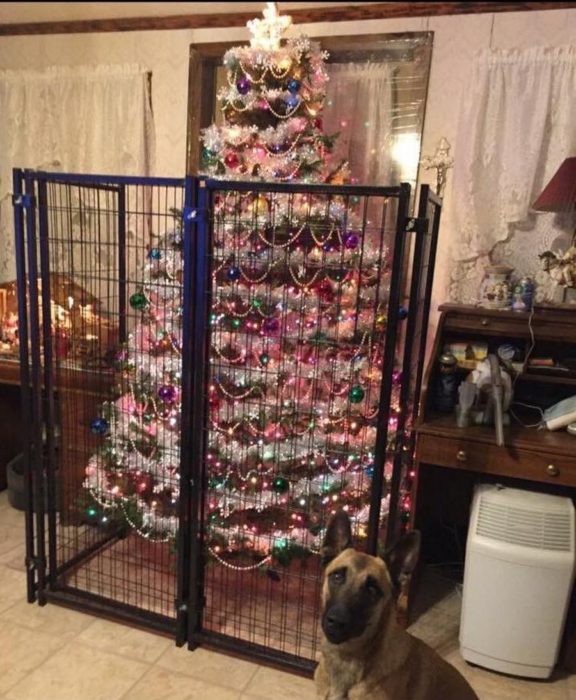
446	383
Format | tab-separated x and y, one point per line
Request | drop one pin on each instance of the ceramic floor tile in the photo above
125	641
209	666
14	558
49	619
162	684
12	587
22	652
77	672
270	683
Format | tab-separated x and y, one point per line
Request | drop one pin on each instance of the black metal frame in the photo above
413	254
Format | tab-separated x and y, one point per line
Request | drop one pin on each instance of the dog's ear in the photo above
401	559
338	537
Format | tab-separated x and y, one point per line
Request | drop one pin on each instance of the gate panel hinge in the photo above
23	200
194	215
417	224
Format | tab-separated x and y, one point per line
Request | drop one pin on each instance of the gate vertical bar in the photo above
36	502
202	300
422	278
427	197
122	336
25	391
187	484
49	384
387	368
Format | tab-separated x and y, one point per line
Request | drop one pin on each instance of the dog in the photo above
366	655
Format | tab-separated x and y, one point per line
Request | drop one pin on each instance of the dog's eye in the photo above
373	588
338	577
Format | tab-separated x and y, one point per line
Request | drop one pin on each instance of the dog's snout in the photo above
337	623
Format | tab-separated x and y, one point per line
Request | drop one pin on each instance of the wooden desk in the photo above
449	460
79	394
10	415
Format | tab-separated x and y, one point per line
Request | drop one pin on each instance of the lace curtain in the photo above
517	124
71	119
359	105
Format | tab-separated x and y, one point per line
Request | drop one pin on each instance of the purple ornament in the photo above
243	86
270	325
396	376
351	240
167	393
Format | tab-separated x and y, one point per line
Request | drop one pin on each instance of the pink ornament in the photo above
90	471
259	153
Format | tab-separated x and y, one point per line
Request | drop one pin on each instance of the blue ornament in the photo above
99	426
154	254
293	86
402	313
369	471
233	274
292	101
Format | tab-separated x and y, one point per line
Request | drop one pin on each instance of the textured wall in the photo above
456	39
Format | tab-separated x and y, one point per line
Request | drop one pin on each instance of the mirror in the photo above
376	101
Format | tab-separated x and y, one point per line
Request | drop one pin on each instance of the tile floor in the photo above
53	653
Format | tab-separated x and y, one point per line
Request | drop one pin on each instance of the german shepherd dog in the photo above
366	655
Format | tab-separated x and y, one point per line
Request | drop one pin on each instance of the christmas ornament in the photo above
402	313
264	358
231	160
243	86
99	426
270	326
233	273
351	240
139	301
154	254
292	101
293	86
356	394
167	393
280	484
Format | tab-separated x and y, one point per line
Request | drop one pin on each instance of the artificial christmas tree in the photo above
298	317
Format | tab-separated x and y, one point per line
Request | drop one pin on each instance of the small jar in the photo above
496	288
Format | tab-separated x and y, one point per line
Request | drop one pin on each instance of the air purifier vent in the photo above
539	529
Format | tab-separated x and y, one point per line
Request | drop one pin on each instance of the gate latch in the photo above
417	224
193	215
22	200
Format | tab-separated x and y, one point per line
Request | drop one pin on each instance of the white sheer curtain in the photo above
71	119
359	105
517	124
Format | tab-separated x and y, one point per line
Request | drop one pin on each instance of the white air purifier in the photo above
518	578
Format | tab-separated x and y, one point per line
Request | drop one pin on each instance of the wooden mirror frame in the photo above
206	58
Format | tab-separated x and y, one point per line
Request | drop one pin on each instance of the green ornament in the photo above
139	301
207	155
280	484
236	323
257	303
264	359
356	394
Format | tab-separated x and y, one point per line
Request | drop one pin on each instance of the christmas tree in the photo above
297	325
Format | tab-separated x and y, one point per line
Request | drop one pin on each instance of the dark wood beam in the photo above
338	13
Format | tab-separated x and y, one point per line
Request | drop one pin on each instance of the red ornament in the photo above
317	123
231	160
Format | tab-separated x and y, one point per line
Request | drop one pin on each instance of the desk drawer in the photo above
485	458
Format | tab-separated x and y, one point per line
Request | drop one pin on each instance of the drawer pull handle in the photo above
461	456
552	470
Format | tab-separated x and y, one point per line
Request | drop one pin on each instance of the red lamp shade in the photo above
560	193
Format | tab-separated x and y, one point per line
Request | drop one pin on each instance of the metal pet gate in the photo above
209	370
